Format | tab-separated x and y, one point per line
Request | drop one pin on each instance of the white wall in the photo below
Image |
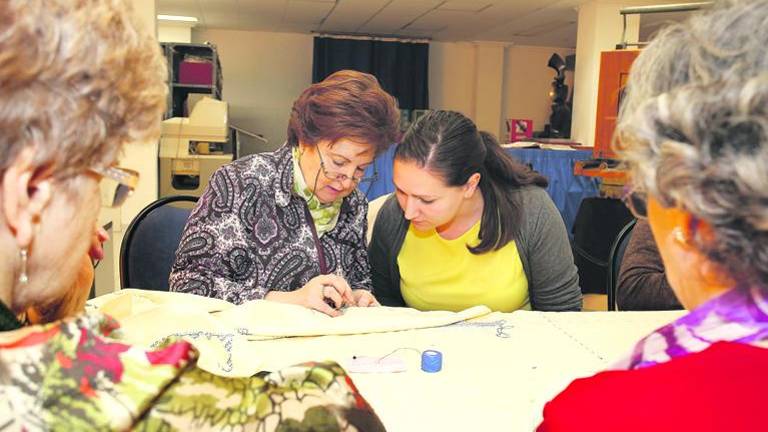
527	82
263	74
489	85
452	76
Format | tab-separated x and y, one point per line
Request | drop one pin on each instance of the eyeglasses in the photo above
637	202
118	184
332	175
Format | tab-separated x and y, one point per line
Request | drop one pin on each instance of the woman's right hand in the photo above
313	294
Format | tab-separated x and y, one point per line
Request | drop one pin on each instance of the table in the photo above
566	189
498	369
488	382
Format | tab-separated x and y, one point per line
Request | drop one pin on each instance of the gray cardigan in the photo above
553	283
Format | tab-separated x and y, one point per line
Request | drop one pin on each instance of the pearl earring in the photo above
680	237
23	278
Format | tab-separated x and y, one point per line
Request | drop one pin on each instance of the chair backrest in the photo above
598	222
150	242
373	211
614	260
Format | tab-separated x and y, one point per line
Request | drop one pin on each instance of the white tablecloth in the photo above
489	382
498	369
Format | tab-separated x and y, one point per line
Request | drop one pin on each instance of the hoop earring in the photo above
23	278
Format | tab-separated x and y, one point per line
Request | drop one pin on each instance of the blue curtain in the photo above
400	67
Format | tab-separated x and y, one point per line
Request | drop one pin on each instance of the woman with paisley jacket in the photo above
81	79
290	225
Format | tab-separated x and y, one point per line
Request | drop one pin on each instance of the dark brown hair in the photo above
347	104
449	143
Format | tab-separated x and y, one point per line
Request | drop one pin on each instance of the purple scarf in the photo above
739	315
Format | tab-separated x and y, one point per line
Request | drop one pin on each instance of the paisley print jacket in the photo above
250	234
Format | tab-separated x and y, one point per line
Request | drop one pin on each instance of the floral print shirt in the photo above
250	234
75	375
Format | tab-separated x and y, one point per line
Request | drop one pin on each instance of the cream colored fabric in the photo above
222	331
498	369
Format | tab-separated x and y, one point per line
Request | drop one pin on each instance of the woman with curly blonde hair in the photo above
78	80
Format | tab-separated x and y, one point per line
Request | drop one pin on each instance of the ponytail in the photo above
501	212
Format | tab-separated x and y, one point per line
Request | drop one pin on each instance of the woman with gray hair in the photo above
694	134
78	80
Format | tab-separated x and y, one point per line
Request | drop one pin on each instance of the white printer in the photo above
193	148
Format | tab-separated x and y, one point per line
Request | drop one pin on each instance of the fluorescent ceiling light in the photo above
177	18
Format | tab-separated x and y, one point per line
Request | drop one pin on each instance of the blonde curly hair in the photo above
78	79
694	129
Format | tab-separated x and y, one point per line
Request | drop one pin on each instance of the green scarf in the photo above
324	216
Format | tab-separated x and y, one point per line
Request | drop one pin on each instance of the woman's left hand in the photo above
364	298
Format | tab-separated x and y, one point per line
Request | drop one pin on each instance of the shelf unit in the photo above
178	92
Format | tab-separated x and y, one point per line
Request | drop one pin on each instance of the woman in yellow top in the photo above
469	226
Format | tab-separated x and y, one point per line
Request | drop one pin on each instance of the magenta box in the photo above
519	129
196	73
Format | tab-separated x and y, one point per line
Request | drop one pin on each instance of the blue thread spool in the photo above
431	361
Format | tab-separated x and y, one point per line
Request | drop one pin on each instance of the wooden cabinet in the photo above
614	71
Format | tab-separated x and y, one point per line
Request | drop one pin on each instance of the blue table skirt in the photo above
565	189
383	184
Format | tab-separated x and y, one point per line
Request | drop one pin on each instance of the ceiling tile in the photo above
465	5
306	11
267	7
349	15
397	14
439	19
219	12
221	4
537	21
528	22
225	20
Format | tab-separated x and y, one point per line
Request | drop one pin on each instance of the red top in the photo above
723	388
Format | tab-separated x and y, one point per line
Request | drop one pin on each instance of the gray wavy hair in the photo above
78	79
693	129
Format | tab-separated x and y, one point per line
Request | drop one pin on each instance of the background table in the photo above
566	189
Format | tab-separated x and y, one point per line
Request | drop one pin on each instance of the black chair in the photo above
598	222
614	260
150	242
